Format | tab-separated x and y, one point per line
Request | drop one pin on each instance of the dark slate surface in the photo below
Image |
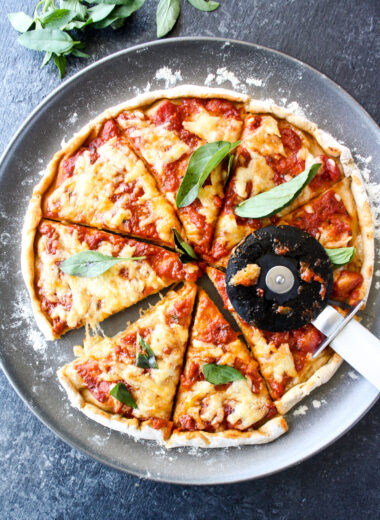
43	478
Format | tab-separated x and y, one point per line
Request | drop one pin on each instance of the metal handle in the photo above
358	346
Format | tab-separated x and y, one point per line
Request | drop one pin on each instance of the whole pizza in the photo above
157	192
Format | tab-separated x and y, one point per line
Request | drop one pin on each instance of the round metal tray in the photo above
30	363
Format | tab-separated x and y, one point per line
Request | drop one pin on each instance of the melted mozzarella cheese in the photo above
266	139
213	128
96	194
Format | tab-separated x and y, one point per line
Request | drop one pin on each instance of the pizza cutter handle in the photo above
361	349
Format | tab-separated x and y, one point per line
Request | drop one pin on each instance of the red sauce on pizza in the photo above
192	375
346	286
327	209
108	131
328	174
192	213
215	329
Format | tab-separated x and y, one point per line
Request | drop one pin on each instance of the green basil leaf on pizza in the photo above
187	253
146	359
92	263
221	374
270	202
201	163
341	255
122	394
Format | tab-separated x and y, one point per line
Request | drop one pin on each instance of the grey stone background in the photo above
43	478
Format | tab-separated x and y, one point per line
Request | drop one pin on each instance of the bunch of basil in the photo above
49	29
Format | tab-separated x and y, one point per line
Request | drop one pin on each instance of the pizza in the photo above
216	415
104	363
112	191
63	302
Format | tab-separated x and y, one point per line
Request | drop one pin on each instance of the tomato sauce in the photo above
214	328
346	285
326	210
328	174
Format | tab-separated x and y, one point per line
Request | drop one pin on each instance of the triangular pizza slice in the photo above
272	151
100	182
285	358
128	382
222	398
166	134
64	301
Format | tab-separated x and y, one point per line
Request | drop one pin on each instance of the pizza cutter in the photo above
291	287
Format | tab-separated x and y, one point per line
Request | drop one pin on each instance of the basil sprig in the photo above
201	163
187	253
270	202
92	263
122	394
147	360
49	28
341	255
221	374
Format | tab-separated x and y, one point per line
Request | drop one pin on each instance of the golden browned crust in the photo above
298	392
134	427
266	433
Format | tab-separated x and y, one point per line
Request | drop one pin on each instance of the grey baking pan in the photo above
30	362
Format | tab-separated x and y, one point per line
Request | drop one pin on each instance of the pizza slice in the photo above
166	134
98	181
222	399
63	301
272	151
332	219
285	358
128	382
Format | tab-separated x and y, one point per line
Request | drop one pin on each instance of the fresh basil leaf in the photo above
122	394
341	255
204	5
58	18
231	158
60	61
75	5
79	54
20	21
114	2
124	11
272	201
77	24
48	56
100	11
50	40
201	163
147	360
91	263
166	16
186	251
221	374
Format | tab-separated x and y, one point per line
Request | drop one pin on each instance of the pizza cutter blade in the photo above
291	289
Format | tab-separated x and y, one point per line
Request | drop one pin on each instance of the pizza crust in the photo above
133	427
298	392
229	438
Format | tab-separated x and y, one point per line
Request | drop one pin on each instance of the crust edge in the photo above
133	427
302	390
266	433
